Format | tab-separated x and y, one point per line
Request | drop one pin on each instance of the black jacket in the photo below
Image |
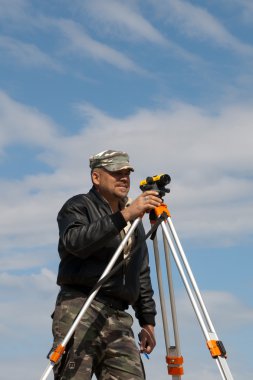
88	238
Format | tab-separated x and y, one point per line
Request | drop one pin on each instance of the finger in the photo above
151	192
150	199
143	344
148	347
152	203
149	335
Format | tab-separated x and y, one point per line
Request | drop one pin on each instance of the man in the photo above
91	227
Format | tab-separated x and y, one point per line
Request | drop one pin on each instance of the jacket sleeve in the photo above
82	236
144	307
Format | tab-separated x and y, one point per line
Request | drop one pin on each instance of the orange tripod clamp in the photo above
58	352
162	208
175	367
157	212
216	348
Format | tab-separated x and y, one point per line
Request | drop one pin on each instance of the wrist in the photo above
149	328
126	214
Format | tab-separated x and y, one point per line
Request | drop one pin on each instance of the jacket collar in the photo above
96	197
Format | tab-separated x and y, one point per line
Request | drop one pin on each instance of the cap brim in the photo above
116	167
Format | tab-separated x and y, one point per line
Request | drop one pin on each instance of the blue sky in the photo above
170	82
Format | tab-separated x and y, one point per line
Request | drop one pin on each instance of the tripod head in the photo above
157	182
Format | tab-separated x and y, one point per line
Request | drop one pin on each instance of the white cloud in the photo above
42	282
207	167
31	296
196	22
26	304
26	54
209	158
25	125
81	43
28	300
126	23
244	6
16	11
247	11
223	308
26	260
231	319
125	20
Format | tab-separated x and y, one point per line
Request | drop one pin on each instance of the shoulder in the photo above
74	202
75	199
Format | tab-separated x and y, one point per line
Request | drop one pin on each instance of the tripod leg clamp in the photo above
216	348
58	352
175	365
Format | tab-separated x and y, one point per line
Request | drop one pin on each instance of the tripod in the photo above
174	358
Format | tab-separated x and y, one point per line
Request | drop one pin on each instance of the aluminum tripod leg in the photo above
199	307
61	347
172	296
174	358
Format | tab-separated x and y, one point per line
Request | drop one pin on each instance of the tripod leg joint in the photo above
216	348
175	367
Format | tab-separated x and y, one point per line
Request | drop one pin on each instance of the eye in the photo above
126	173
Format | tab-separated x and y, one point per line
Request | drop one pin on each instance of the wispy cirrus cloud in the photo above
80	43
26	54
24	124
244	10
243	5
124	22
16	11
199	24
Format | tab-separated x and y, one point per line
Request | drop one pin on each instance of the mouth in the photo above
123	187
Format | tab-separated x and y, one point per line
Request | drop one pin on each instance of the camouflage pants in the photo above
103	343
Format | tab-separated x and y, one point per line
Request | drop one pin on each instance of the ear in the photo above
95	177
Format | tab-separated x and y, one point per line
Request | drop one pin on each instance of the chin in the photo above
123	195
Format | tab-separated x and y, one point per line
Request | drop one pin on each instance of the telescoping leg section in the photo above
174	359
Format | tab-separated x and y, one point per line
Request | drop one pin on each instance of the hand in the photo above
147	339
143	203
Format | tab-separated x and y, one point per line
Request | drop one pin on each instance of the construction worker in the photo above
91	227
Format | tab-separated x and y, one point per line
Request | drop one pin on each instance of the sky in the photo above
170	82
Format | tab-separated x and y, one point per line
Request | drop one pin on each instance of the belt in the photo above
112	302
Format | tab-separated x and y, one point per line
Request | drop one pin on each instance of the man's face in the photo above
112	185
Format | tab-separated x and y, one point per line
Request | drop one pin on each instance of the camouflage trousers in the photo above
103	343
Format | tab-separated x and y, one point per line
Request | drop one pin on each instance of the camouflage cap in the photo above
111	160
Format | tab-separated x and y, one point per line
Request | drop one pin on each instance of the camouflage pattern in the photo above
111	160
103	342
